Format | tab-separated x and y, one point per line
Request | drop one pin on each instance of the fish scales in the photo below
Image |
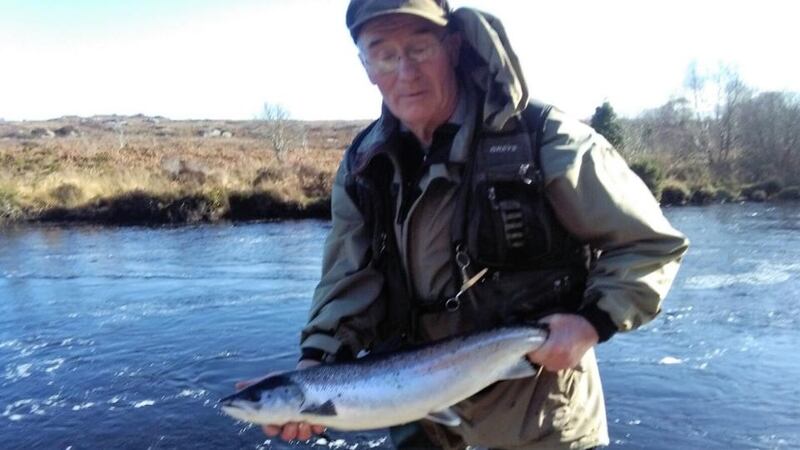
389	389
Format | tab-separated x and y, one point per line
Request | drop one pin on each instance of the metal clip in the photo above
463	261
493	198
382	245
452	304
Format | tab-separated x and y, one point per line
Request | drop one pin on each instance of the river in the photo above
127	337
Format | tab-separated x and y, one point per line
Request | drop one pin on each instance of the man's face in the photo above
412	61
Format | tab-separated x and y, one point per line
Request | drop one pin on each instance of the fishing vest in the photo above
513	258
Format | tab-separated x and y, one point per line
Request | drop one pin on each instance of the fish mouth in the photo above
236	412
233	402
236	409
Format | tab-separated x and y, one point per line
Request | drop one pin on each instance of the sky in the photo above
203	59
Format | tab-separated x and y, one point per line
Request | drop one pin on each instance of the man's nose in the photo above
407	68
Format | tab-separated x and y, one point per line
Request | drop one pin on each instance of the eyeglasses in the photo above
385	59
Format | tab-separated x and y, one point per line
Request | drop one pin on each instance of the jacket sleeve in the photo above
602	202
345	309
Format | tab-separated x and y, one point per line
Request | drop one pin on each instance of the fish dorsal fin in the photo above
324	409
445	417
522	369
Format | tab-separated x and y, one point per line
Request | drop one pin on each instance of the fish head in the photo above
273	400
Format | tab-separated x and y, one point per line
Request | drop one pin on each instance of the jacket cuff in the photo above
324	342
324	348
311	353
315	354
600	320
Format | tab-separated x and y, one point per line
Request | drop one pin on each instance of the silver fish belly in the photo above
391	389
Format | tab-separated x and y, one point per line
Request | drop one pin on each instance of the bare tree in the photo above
732	94
635	135
119	127
276	118
720	130
283	133
670	132
771	136
695	83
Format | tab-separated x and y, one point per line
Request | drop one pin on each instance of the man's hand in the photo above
301	431
570	337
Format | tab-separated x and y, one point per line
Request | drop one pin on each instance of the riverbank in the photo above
151	170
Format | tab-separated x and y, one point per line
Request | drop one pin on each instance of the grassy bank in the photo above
142	170
145	170
692	183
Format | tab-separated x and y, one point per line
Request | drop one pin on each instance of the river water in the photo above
126	337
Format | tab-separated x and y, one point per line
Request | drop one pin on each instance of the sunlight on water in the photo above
764	274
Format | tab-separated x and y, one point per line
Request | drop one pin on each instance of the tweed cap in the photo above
361	11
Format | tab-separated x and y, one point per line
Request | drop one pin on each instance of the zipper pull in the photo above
529	175
493	198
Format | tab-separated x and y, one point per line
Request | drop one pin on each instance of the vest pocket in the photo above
509	297
509	227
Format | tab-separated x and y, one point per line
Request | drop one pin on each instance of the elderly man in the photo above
463	187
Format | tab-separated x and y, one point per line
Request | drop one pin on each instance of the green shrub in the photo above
703	195
695	174
790	193
650	173
267	174
9	206
723	195
674	192
771	187
218	199
67	195
196	208
314	182
757	196
768	188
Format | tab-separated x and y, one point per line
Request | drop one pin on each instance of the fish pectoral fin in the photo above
324	409
522	369
446	417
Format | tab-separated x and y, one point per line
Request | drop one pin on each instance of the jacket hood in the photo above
488	60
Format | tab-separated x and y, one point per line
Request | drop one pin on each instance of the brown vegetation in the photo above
152	170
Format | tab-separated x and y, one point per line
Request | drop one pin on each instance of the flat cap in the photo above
361	11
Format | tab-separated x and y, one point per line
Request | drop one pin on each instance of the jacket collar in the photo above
381	138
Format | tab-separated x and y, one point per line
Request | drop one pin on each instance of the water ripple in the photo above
764	274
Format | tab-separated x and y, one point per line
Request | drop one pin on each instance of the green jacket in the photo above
595	196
